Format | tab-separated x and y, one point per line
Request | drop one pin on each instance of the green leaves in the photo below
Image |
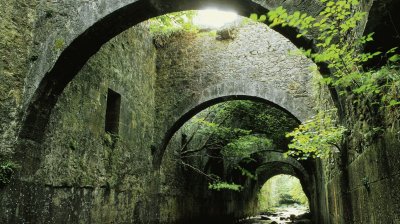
244	146
222	185
393	103
233	132
394	58
279	16
170	23
316	137
340	49
255	18
7	169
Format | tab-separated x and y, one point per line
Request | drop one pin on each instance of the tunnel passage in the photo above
282	199
197	155
88	26
100	164
277	163
77	40
193	70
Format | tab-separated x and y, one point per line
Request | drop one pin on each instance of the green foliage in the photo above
172	22
286	199
221	185
316	137
166	26
261	119
110	139
59	44
7	169
233	132
246	173
338	47
217	130
297	193
256	18
244	146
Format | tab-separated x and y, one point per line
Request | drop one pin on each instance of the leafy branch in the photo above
316	137
231	133
339	47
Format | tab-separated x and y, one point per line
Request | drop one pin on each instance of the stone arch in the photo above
226	91
271	157
275	163
93	24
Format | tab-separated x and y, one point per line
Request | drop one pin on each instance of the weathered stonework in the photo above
371	168
16	42
73	173
194	69
78	165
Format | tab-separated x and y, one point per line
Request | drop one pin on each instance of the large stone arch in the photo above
194	72
87	27
225	91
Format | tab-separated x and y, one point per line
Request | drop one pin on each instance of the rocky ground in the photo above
281	215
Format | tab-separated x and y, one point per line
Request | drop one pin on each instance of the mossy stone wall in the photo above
80	173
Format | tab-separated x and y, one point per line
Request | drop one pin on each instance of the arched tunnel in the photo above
104	121
201	156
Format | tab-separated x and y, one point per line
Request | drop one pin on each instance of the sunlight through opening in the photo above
283	200
213	18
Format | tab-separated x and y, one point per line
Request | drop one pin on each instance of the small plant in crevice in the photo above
366	183
110	139
59	44
7	169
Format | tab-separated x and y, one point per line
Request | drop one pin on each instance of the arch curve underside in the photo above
88	26
226	91
275	163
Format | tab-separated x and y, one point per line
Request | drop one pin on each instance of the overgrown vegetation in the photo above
173	22
7	169
316	137
163	27
231	133
339	47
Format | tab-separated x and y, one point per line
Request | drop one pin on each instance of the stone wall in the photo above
185	197
246	59
253	61
16	42
372	171
80	173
